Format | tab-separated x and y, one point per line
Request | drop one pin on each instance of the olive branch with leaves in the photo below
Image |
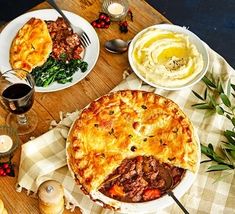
219	99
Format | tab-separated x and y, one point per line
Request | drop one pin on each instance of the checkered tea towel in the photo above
44	158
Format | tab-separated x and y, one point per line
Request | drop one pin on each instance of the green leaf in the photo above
213	101
202	106
217	158
208	82
228	116
233	86
218	167
230	158
228	146
205	94
219	110
220	87
229	138
225	100
230	133
207	150
63	56
233	121
233	154
204	150
210	146
197	95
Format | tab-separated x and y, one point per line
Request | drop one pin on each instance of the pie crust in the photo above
108	129
31	46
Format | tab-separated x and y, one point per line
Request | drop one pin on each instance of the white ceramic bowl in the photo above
143	207
192	39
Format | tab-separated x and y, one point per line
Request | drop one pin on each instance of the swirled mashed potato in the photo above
166	58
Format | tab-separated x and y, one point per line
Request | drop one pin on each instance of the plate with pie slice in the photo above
128	148
40	41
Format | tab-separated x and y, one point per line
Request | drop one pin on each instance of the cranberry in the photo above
4	174
5	165
1	172
8	170
107	19
102	16
94	24
102	23
125	23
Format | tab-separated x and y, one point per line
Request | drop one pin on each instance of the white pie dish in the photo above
141	207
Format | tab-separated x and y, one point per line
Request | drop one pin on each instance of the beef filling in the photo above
141	179
66	43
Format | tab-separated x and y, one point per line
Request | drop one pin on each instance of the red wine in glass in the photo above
17	97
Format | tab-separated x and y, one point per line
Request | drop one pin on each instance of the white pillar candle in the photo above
115	9
5	143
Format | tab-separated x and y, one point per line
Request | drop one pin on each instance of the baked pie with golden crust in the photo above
127	124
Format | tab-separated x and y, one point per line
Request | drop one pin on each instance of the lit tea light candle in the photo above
115	9
5	143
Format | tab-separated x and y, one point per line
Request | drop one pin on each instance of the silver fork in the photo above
83	36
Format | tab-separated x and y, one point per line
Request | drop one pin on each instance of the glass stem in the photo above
22	120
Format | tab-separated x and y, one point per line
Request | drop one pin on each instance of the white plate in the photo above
91	52
192	39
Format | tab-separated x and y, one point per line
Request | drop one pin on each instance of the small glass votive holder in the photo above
9	140
116	9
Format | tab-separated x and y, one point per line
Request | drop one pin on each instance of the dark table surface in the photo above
212	20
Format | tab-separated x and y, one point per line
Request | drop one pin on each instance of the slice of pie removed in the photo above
127	124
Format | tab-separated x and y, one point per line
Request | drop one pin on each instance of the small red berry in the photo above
5	165
98	25
4	174
107	19
1	172
125	23
106	26
102	23
94	24
102	16
8	170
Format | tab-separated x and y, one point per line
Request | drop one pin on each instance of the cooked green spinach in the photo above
59	71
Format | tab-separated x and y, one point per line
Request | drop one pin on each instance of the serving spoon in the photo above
165	174
117	46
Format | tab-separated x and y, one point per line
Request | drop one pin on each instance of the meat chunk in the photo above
140	179
66	43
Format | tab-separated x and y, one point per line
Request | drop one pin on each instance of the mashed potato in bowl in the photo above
168	56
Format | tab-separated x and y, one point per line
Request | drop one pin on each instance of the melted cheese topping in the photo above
107	131
31	46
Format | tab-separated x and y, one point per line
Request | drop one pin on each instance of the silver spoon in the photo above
117	46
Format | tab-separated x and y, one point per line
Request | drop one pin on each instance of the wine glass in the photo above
17	96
